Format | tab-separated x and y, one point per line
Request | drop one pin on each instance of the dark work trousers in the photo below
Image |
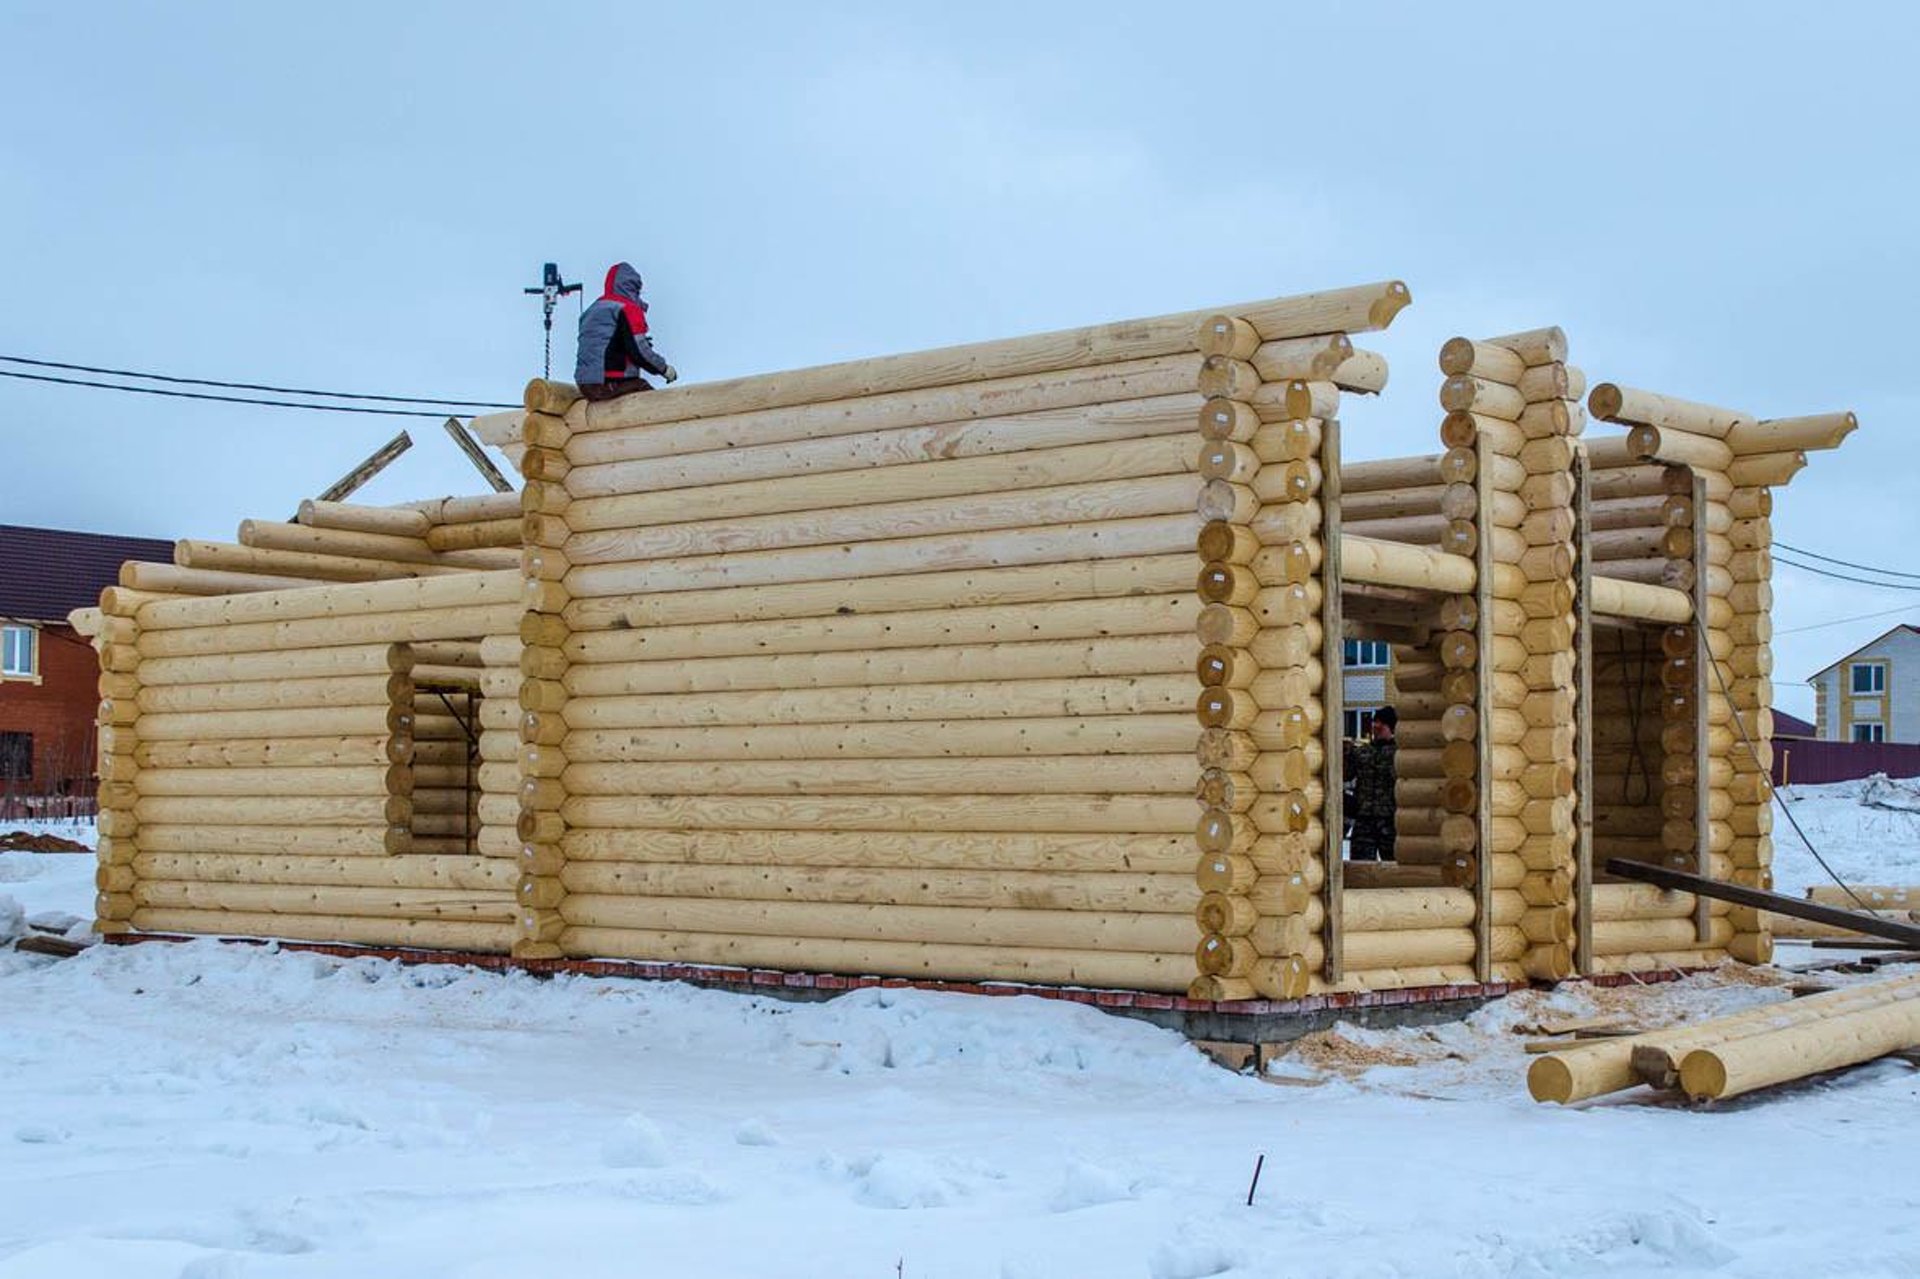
613	389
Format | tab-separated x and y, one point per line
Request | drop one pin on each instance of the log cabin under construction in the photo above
1014	662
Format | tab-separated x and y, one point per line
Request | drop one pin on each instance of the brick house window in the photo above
1869	677
16	757
1358	721
1869	732
19	652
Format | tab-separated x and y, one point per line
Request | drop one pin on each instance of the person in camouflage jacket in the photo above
1369	770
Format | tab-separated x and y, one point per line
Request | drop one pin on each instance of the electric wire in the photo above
230	399
1739	722
251	386
1842	577
1864	568
1842	621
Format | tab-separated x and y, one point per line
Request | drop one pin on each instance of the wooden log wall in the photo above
889	667
343	542
540	819
1717	469
276	770
1262	834
117	639
1416	689
1513	400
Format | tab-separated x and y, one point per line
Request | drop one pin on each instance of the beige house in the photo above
1873	693
1366	666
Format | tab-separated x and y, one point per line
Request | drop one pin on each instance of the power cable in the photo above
1739	722
1842	577
1842	621
1864	568
249	386
224	399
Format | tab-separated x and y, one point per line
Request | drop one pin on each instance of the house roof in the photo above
1893	630
1785	725
46	573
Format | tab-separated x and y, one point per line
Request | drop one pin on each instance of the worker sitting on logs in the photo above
614	346
1369	765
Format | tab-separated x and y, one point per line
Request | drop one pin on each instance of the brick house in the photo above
49	675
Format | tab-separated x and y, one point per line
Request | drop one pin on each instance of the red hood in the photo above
623	287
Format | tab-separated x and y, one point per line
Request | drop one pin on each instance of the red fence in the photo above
47	808
1807	761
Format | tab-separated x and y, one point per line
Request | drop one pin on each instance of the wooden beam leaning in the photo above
476	455
376	462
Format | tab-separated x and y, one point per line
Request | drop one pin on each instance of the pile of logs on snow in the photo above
1014	661
1729	1056
1900	903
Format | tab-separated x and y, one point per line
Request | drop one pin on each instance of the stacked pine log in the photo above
270	762
501	752
117	638
343	542
1398	499
1262	625
1737	1054
402	748
445	788
1426	760
544	697
1736	460
887	667
1513	401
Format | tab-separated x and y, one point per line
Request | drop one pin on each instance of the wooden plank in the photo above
476	455
344	487
1583	717
1574	1025
1702	662
1333	702
1739	895
1483	710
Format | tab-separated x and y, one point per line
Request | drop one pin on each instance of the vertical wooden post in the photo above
1483	708
1702	697
1333	703
1583	715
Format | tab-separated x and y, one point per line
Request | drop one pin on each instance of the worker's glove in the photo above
671	375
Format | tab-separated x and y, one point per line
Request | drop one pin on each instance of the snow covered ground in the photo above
220	1112
1868	831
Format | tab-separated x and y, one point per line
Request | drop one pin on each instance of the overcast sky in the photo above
1715	200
